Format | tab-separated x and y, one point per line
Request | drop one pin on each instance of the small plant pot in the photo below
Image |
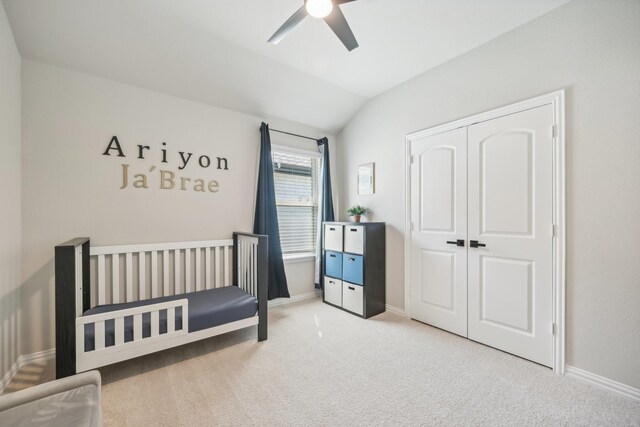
356	218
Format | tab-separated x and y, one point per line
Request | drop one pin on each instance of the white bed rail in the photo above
138	272
102	354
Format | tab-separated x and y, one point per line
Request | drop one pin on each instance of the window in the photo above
296	184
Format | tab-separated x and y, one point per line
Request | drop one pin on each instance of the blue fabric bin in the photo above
333	264
352	269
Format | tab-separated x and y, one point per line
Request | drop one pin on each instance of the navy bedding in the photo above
207	309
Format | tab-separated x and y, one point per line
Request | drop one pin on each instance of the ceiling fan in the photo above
329	10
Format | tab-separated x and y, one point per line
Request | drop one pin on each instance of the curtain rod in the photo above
293	134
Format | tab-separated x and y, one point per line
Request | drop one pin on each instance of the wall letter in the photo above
164	153
141	149
199	185
140	181
208	161
184	182
220	160
184	161
213	186
115	141
166	180
125	173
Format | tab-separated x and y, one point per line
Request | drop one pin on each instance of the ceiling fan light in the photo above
319	8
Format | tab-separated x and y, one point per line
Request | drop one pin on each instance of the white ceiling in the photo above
215	51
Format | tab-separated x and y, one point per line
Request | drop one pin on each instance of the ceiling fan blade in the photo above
337	2
340	27
288	25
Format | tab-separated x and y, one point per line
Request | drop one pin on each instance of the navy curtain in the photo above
326	203
266	217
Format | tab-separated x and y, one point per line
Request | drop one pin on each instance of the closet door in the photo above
438	292
510	216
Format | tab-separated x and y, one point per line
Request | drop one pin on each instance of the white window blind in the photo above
296	185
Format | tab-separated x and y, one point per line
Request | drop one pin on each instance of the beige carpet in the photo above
322	366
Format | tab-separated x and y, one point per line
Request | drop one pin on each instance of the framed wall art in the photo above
366	179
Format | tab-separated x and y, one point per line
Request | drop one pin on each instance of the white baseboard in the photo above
309	295
39	356
602	382
396	310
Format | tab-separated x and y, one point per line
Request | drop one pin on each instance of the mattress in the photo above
209	308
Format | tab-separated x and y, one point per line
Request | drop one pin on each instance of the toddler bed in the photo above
114	303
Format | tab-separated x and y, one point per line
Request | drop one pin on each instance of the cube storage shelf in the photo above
354	267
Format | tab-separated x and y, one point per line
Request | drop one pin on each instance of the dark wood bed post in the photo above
263	279
263	286
65	293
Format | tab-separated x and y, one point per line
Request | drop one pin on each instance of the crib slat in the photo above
119	331
155	323
171	320
239	272
241	265
142	280
165	272
246	268
240	258
137	327
79	338
99	335
154	274
197	255
101	274
207	267
250	269
226	266
250	266
129	280
217	276
115	277
176	272
254	263
187	270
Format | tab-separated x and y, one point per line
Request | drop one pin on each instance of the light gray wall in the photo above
591	48
10	190
70	189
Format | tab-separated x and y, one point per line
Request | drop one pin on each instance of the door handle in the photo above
459	242
476	244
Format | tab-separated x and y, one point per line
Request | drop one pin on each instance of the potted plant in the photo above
357	211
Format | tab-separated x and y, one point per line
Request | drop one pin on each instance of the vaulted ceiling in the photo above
216	51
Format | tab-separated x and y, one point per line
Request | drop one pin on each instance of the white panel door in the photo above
510	168
439	218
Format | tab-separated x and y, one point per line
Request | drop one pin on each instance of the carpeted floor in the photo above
322	366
